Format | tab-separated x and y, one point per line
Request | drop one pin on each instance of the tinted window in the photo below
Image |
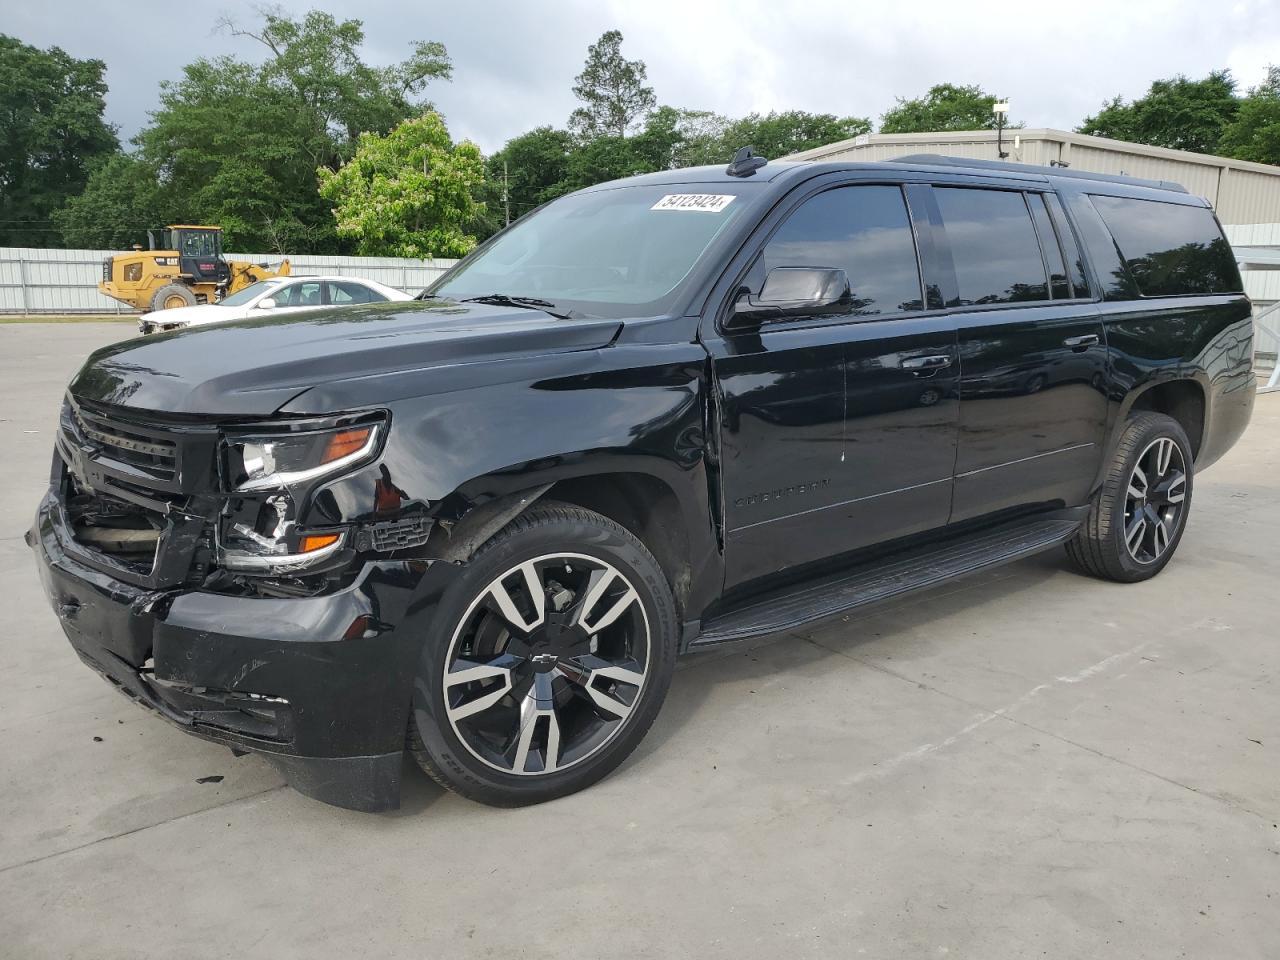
198	243
1058	285
299	295
1075	263
1170	248
863	231
249	293
347	293
993	246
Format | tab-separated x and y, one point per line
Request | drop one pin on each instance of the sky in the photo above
514	62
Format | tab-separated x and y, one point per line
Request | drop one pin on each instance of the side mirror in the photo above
796	292
266	303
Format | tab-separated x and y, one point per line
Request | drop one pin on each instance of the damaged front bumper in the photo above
320	686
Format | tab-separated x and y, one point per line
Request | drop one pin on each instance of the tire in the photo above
536	723
1111	544
167	296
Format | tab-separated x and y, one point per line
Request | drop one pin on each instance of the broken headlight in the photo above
270	543
282	460
261	534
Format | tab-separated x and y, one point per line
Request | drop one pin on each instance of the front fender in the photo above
480	436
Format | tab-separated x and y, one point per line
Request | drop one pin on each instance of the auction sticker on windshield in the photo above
701	202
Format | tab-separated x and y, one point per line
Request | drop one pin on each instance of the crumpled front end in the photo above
310	666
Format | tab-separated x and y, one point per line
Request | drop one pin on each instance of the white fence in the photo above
66	281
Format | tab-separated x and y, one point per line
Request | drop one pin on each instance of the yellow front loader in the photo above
188	269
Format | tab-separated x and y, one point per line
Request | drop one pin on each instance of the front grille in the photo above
136	488
150	455
157	457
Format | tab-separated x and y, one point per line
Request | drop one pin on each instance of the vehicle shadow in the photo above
698	675
418	792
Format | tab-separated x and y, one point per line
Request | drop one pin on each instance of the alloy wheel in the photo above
1154	500
547	664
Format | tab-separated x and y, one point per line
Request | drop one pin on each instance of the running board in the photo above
884	578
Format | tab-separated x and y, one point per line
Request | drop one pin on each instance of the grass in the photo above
68	318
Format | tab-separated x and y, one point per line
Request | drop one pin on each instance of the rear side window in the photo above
1171	249
343	293
993	246
864	231
299	295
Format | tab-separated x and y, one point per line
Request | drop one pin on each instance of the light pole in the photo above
1001	109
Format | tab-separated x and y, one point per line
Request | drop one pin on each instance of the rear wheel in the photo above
1137	518
548	662
172	295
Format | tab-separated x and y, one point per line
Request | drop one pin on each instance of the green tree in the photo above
776	135
410	193
240	153
534	164
601	159
673	138
1254	134
122	200
945	106
612	89
240	142
317	59
51	134
1179	113
546	163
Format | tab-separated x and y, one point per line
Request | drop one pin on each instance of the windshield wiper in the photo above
507	300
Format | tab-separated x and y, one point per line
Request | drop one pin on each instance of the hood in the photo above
253	367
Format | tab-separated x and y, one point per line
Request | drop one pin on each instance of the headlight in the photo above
262	534
272	463
251	552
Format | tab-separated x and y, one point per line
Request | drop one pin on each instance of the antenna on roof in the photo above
745	163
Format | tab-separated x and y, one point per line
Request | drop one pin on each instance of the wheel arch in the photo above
1183	399
649	506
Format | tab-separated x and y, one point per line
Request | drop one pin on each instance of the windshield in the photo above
608	253
248	293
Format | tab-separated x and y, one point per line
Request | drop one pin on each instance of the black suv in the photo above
654	416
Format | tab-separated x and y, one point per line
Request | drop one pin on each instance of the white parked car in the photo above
276	295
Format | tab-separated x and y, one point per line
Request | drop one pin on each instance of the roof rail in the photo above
937	159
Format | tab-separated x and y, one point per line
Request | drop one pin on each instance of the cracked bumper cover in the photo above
319	686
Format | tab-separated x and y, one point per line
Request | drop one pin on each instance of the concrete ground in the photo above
1025	764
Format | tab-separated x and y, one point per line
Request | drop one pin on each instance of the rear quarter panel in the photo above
1204	339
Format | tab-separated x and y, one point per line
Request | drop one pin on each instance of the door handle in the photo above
936	362
1083	342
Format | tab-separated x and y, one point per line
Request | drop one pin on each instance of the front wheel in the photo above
171	296
548	661
1137	518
